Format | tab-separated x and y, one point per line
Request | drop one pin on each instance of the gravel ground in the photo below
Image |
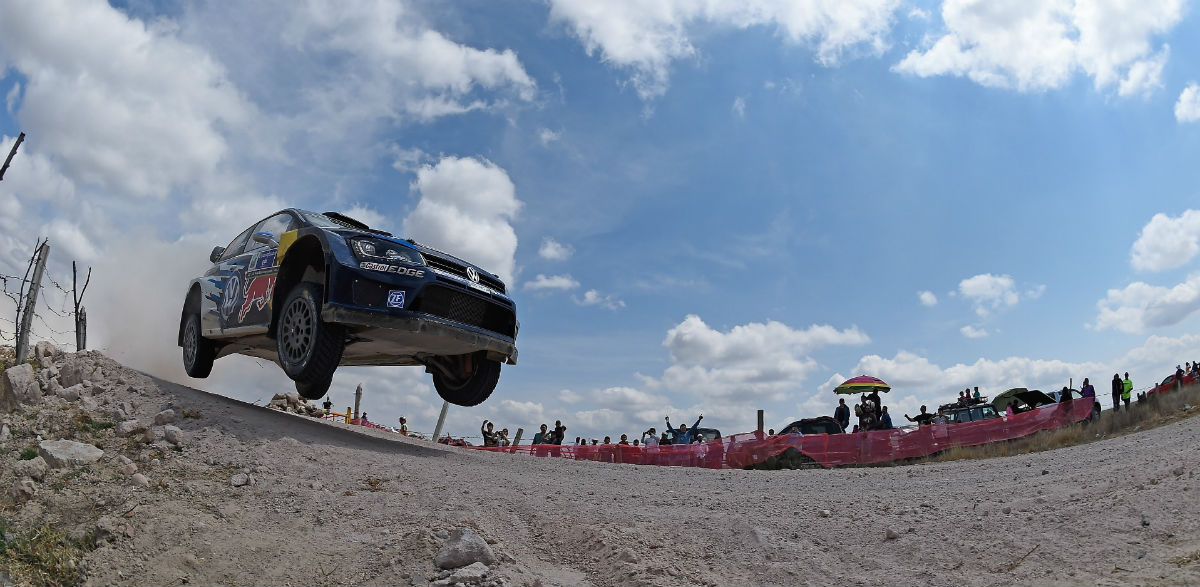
332	504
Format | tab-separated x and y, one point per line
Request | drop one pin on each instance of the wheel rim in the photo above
297	337
190	343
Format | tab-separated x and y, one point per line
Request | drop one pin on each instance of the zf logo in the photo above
395	298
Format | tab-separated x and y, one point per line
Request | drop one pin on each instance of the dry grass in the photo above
1186	559
41	556
1160	410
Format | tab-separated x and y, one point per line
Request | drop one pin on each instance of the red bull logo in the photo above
257	293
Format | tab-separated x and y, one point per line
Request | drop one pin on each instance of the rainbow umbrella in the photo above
862	384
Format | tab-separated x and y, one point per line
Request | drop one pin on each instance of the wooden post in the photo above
357	400
517	438
20	138
437	432
43	253
80	313
760	420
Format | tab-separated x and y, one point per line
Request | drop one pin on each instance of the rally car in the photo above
314	291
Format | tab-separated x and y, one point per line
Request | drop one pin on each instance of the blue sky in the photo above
699	207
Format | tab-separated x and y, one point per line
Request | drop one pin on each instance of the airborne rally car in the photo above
314	291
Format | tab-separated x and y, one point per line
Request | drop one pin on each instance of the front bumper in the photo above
378	338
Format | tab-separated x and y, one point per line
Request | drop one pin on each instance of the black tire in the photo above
309	349
313	390
198	352
474	379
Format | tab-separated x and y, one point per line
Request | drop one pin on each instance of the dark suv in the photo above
314	291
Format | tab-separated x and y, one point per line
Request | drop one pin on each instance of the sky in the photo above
699	206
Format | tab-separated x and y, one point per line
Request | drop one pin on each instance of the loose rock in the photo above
164	417
23	489
140	480
19	387
241	480
128	428
35	468
173	435
463	548
891	534
68	453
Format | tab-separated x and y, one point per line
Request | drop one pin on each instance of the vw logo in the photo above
472	274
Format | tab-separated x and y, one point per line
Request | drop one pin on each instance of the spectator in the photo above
1064	395
490	438
855	431
328	404
364	417
885	420
1178	377
541	437
1118	388
842	413
1087	390
684	435
664	440
922	419
503	438
771	431
1127	390
977	397
607	440
962	397
403	426
941	417
635	441
559	432
860	414
624	439
594	443
874	397
650	437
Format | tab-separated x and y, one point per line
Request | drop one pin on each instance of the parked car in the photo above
818	425
970	413
314	291
1168	384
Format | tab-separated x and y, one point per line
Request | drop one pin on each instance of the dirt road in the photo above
331	505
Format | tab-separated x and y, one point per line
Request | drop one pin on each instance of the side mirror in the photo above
216	253
266	238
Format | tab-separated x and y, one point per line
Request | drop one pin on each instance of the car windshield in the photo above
320	220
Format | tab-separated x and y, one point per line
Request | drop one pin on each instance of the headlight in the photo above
373	249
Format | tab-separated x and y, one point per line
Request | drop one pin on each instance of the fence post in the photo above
517	438
347	414
760	420
31	302
437	432
357	400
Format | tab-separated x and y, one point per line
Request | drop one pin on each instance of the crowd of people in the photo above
557	436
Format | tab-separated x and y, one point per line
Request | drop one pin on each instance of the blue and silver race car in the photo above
314	291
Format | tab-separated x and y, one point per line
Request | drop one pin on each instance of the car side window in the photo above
275	225
235	246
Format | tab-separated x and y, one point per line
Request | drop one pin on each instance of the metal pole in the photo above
31	302
437	432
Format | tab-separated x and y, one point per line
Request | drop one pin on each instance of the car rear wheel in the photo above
466	380
309	349
198	352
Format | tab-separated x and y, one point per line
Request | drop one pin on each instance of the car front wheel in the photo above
309	349
466	380
198	352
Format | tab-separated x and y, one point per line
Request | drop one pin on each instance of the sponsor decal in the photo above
229	297
285	240
257	293
395	298
264	259
394	269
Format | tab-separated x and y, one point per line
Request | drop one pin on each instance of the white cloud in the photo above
755	361
1141	306
739	107
928	299
119	103
569	397
1035	45
973	332
1187	108
465	208
646	37
554	250
594	298
364	214
408	160
551	282
1166	242
988	292
547	136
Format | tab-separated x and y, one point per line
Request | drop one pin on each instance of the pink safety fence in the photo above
829	450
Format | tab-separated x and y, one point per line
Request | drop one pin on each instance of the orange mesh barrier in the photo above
829	450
